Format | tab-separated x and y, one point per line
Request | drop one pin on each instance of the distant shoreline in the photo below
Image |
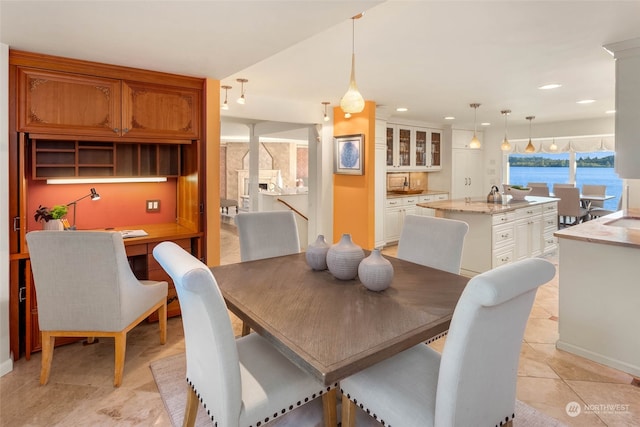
543	162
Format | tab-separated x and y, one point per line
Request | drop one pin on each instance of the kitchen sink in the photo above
625	222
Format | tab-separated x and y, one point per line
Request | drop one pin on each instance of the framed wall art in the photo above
349	155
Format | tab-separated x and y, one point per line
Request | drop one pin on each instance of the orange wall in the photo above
212	161
120	205
353	195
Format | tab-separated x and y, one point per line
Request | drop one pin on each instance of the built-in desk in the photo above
140	254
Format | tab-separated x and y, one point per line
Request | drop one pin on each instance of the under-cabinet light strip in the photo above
104	180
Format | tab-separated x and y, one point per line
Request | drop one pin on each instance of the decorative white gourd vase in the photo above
344	257
316	253
53	224
375	272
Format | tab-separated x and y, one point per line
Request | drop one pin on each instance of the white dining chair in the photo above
239	382
266	235
433	242
570	211
85	288
473	382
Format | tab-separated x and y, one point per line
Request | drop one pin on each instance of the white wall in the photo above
6	364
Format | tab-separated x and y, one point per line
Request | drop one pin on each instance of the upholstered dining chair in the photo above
594	190
266	235
473	381
538	189
240	382
433	242
569	208
85	288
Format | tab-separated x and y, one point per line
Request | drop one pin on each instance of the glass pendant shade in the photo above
475	142
225	104
530	148
553	146
352	101
505	146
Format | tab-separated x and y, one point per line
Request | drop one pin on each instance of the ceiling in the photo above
432	57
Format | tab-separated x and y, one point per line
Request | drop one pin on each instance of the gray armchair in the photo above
85	288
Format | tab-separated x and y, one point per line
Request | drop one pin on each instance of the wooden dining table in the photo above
332	328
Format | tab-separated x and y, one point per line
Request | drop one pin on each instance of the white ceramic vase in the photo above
343	258
375	272
316	253
53	224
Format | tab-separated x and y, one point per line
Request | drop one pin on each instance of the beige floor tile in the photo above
541	330
531	365
551	396
615	404
571	367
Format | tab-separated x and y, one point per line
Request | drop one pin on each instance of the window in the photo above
594	167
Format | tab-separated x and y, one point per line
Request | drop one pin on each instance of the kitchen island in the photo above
599	290
501	233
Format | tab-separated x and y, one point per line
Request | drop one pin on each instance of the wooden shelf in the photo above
69	159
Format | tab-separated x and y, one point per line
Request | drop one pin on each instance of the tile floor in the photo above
80	391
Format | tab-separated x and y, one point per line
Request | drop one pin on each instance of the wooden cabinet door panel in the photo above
154	111
54	102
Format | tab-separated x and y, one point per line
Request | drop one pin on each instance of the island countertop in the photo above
602	230
480	206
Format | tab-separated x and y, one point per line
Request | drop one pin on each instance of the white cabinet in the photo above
413	148
528	232
397	208
503	238
466	174
627	55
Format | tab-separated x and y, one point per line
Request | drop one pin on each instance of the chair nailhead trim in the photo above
367	410
266	420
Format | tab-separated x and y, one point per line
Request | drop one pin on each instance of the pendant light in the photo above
475	142
352	101
241	100
225	104
326	116
553	146
530	148
506	146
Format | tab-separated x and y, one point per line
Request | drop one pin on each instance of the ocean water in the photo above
600	176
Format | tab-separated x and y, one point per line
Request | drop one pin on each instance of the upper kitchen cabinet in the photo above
54	102
154	111
412	148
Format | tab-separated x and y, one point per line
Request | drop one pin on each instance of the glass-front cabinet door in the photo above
435	150
413	148
390	146
421	147
404	147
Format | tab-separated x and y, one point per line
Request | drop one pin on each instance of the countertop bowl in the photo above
515	193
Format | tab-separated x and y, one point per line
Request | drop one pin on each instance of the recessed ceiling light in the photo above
449	118
550	86
610	112
586	101
402	109
485	124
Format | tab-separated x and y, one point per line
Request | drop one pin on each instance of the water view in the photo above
560	175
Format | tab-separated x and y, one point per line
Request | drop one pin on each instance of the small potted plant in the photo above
52	219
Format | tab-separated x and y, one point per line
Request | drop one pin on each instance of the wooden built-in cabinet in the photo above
53	102
70	118
69	159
